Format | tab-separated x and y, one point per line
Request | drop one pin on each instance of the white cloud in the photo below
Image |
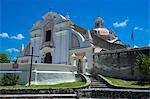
4	35
135	46
10	50
121	24
18	37
138	28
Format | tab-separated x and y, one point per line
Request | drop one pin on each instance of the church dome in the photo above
102	31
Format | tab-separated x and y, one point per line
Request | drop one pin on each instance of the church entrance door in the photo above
48	58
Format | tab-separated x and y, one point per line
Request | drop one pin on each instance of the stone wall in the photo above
115	93
119	63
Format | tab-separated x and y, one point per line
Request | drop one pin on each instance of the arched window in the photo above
48	36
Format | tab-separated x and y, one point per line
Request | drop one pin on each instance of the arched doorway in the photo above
48	58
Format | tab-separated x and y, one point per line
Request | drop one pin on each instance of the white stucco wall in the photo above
52	70
35	43
61	40
60	44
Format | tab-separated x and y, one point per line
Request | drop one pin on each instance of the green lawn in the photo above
61	85
132	84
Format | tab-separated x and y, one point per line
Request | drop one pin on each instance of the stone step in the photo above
98	87
37	96
97	83
94	80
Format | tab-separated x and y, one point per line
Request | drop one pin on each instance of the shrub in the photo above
143	63
9	79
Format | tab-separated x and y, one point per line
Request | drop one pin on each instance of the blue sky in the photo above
122	16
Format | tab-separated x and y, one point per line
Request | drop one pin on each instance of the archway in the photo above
48	58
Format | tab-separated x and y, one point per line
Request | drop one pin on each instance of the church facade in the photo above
55	39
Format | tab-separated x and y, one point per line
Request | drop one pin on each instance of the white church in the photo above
57	40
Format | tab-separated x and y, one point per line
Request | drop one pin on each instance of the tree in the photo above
4	58
143	63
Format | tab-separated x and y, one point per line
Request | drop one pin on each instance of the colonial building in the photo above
57	40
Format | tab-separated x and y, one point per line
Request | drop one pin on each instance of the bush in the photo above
4	58
143	63
9	79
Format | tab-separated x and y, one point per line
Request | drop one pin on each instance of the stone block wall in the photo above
119	63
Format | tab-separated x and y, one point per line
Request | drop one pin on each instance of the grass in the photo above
127	83
61	85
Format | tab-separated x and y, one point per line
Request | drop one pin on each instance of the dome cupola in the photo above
99	22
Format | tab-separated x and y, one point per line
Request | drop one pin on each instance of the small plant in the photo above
143	63
9	79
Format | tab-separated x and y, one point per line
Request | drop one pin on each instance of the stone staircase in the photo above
98	89
101	89
38	96
97	83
